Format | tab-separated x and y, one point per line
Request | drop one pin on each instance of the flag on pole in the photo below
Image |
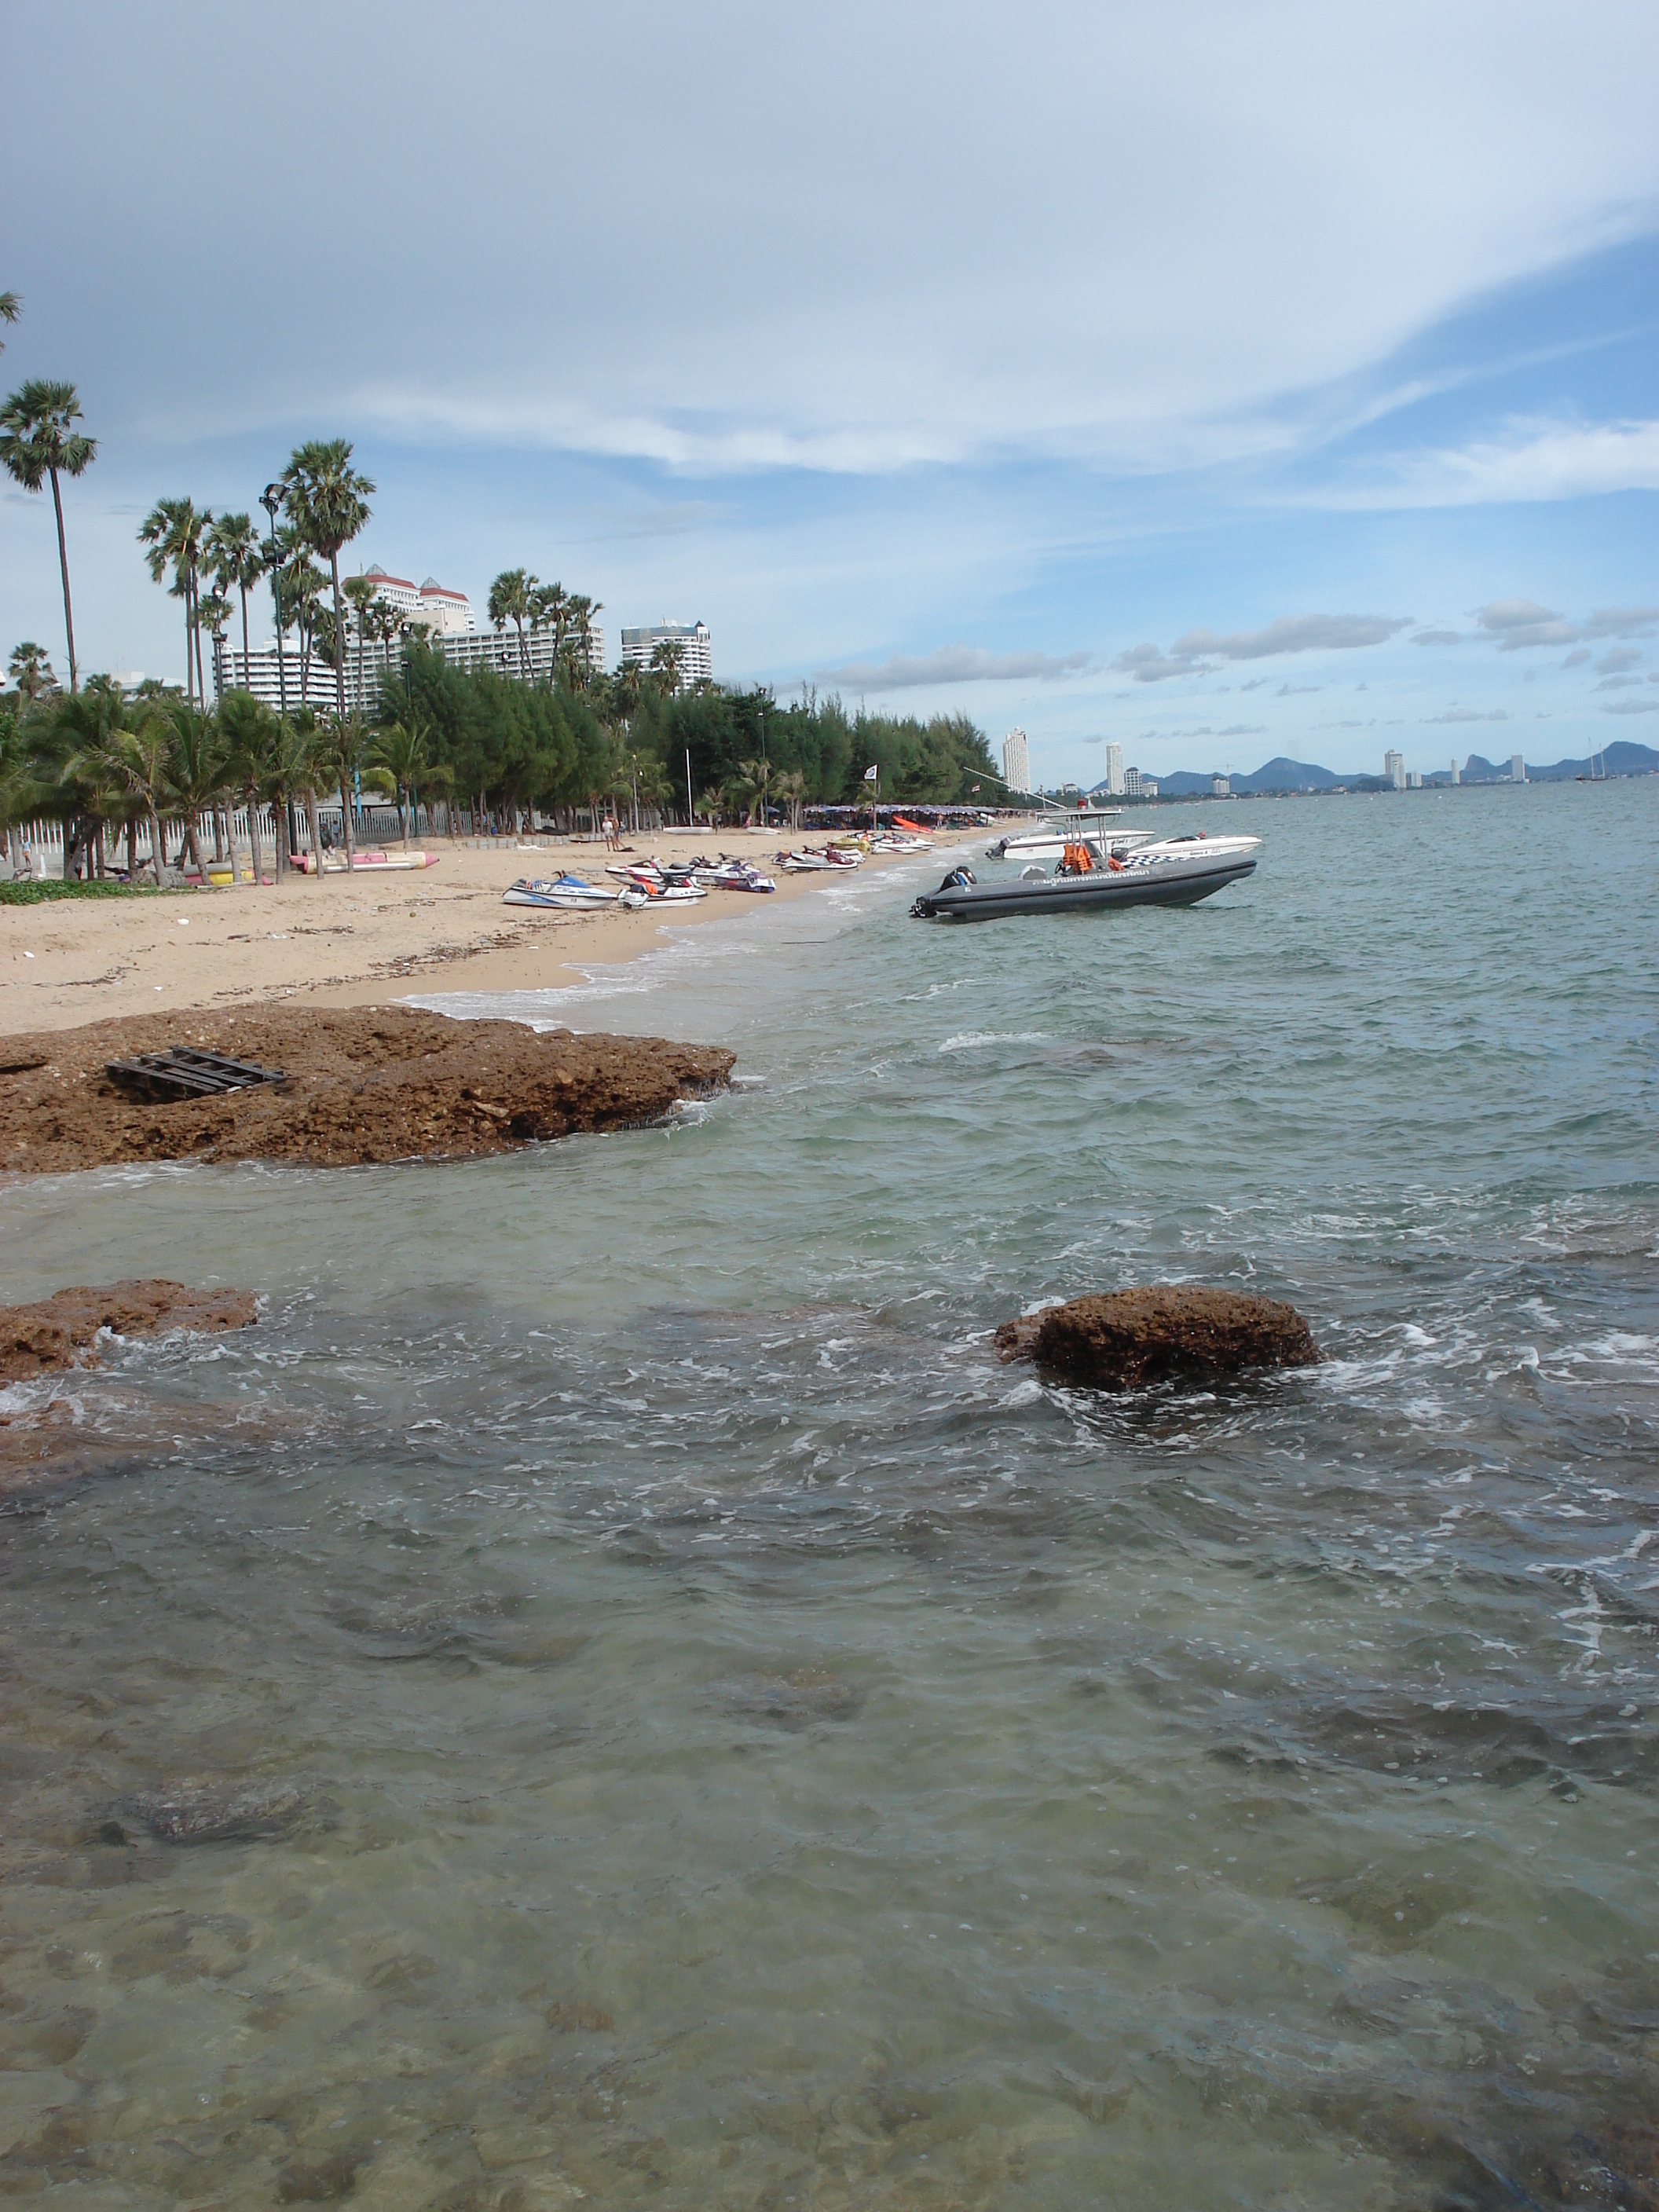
869	776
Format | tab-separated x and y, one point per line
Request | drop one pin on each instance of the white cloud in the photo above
1198	652
1576	658
1289	633
1533	461
1518	624
1631	707
1438	637
1467	715
952	664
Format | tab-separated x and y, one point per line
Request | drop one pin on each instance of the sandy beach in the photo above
368	939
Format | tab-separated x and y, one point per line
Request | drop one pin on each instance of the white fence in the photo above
37	847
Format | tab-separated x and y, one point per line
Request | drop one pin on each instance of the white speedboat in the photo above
1049	842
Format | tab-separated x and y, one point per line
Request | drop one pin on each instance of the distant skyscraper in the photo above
1393	769
1457	776
1220	786
1114	770
1518	768
1016	762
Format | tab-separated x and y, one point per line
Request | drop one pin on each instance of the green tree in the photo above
38	440
666	657
401	751
142	758
197	767
328	500
549	608
249	730
10	307
234	551
31	671
512	598
176	531
582	611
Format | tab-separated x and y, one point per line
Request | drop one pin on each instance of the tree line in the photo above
496	751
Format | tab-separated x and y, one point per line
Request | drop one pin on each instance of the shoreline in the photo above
371	940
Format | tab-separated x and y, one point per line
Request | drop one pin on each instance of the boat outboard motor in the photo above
958	881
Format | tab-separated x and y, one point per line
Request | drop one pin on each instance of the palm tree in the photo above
234	551
666	657
212	614
709	802
399	753
792	789
10	307
754	774
83	737
511	600
581	610
198	768
549	603
328	501
248	730
360	591
176	530
38	439
31	671
141	759
345	751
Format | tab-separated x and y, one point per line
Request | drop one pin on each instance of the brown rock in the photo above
61	1331
364	1084
1175	1331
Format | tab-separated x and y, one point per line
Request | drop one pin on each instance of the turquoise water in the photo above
612	1691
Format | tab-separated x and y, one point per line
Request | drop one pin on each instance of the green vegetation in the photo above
34	894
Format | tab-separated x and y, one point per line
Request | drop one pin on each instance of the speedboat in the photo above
1049	842
1144	872
569	892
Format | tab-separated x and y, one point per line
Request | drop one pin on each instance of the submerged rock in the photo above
192	1812
62	1331
1123	1340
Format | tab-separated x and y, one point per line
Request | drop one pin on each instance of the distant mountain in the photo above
1281	774
1621	758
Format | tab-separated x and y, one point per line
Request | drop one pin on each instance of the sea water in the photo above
612	1692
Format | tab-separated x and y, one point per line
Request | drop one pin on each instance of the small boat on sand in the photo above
571	893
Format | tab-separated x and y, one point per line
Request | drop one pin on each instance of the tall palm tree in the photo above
549	603
31	671
83	735
582	611
792	790
361	591
38	439
328	501
345	749
212	615
176	531
753	776
10	307
237	560
511	600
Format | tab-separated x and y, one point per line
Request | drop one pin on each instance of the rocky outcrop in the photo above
62	1331
1176	1332
363	1085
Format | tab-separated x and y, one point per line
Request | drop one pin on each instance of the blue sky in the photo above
1223	382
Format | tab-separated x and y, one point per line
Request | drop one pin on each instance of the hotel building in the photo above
696	663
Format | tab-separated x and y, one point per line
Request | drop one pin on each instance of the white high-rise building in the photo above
1393	769
696	662
1114	770
1016	762
1518	768
446	613
1457	773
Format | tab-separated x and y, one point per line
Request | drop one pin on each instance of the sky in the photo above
1219	381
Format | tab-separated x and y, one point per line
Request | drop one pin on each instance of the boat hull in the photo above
1183	885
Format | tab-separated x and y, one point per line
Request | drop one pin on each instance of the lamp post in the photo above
766	772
